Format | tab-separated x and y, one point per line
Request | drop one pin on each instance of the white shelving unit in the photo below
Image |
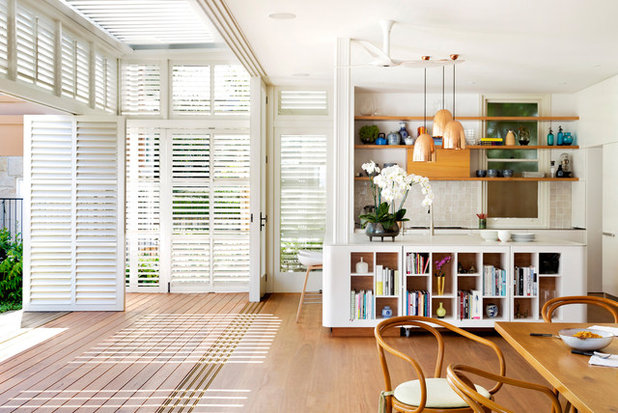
559	269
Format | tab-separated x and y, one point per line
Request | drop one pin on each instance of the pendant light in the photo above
454	136
442	117
424	148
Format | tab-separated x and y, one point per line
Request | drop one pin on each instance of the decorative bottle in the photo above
403	132
552	169
362	267
560	172
560	137
550	138
441	311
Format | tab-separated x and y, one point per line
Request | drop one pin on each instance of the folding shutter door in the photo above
74	204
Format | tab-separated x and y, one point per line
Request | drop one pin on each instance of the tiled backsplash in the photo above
457	203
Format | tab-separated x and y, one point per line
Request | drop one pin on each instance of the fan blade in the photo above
373	50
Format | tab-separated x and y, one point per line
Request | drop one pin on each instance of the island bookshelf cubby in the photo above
477	277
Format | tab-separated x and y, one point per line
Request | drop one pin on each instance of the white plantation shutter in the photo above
75	68
143	208
208	192
303	102
4	45
232	90
35	49
141	89
74	193
191	89
105	83
302	196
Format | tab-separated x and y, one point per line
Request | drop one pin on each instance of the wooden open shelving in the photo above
477	147
483	118
474	178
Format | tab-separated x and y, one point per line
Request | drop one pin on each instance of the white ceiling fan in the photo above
382	57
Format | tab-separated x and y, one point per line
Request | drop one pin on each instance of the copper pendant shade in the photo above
424	148
442	117
454	136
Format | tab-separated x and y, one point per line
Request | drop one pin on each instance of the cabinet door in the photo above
610	220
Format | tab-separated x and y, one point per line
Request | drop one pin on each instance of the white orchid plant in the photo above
388	186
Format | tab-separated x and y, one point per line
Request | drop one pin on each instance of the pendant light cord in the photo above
442	87
425	100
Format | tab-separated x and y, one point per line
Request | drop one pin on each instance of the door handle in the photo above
609	234
263	220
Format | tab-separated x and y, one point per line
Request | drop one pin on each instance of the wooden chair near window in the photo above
551	305
479	403
423	394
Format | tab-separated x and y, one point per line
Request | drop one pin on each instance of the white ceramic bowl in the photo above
504	236
489	235
587	344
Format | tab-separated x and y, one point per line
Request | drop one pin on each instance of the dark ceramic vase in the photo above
377	230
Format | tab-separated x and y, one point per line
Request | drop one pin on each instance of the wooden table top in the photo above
588	388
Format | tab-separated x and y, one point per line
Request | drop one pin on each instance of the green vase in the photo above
440	311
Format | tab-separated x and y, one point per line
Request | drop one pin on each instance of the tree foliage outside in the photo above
11	261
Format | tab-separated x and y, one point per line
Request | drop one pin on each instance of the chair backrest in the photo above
430	325
463	386
551	305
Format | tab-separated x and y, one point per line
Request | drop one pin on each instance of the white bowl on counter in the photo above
489	235
585	344
504	236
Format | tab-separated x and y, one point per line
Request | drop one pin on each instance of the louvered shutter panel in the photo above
191	89
74	193
105	83
35	49
232	90
231	213
302	196
141	89
75	68
303	102
4	45
143	208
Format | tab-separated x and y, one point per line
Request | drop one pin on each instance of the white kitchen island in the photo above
513	278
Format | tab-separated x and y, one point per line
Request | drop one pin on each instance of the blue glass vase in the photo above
560	137
550	138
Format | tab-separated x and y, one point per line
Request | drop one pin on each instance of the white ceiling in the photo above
514	46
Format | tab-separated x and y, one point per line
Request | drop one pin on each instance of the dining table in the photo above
589	388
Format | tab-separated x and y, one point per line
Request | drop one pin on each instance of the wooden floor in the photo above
219	353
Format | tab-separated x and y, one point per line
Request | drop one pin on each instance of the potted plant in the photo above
368	134
388	186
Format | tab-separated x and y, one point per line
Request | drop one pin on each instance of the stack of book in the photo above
494	281
387	281
525	283
469	305
417	303
417	263
361	305
491	141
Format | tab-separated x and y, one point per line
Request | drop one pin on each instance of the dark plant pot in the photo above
377	230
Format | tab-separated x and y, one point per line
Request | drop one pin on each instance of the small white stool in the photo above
313	261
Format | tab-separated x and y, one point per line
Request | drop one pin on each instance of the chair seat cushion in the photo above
308	258
439	394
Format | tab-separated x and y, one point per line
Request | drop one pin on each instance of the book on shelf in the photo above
525	282
494	281
388	281
362	305
417	263
417	303
469	304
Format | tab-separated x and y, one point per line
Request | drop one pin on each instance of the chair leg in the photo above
302	295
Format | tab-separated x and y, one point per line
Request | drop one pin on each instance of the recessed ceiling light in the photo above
282	16
300	74
596	66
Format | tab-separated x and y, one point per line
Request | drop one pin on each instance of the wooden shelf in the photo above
520	147
483	118
479	147
473	178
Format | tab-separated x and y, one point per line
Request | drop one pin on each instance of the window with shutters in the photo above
4	45
105	83
191	89
141	89
302	196
302	102
75	70
199	178
35	39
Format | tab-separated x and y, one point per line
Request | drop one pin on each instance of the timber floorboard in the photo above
219	353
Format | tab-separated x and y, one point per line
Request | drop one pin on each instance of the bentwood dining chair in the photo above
426	394
551	305
480	403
